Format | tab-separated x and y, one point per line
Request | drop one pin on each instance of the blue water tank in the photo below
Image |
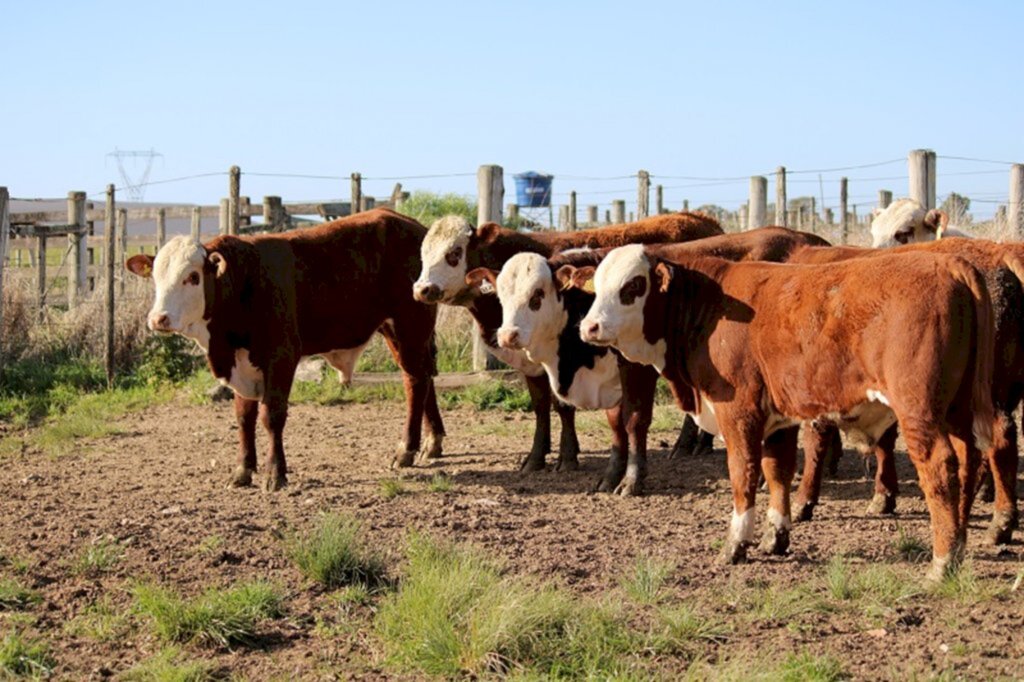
533	189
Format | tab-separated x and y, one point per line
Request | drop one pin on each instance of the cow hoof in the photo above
1000	530
566	463
775	541
532	463
882	504
804	512
702	449
734	552
274	482
608	483
241	478
433	449
629	487
404	458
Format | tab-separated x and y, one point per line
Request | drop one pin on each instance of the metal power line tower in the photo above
136	187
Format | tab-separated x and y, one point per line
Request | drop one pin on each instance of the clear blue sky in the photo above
590	89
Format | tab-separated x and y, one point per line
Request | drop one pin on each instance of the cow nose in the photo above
428	293
509	338
591	330
159	323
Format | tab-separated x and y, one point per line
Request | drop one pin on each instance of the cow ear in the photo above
487	232
583	278
936	221
483	279
662	276
220	265
875	212
564	276
141	265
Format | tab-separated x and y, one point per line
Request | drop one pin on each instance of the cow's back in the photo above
669	227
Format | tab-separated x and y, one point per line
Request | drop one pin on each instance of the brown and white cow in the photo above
905	221
453	247
1001	266
763	346
256	304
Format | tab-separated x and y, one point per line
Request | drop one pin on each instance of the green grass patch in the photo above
795	667
97	558
489	395
169	665
440	483
680	629
334	553
760	601
457	613
101	621
644	581
911	548
225	617
874	583
966	587
16	597
331	392
24	657
390	488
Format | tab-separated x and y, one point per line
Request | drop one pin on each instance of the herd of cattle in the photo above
755	333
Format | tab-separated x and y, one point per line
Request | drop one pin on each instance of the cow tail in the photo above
982	408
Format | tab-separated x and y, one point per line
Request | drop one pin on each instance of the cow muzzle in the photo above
508	337
159	322
427	293
593	333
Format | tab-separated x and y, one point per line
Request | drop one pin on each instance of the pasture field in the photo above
123	555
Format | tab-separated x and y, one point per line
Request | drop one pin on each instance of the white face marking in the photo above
246	379
180	299
610	321
532	313
902	222
446	243
741	527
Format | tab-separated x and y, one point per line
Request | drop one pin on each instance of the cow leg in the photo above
416	389
1002	458
273	415
743	450
834	453
540	397
435	426
968	462
938	473
817	435
886	480
413	350
705	443
638	384
778	462
568	442
245	412
687	440
616	468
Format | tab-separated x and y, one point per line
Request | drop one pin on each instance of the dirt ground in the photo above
159	490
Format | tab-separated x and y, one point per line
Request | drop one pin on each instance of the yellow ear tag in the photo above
588	286
147	270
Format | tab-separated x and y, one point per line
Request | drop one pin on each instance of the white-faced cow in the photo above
763	346
256	304
1000	265
905	221
453	247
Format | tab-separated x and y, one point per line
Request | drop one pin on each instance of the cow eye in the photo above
454	256
192	279
632	290
536	299
902	237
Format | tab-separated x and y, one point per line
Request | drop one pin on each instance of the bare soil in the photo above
158	488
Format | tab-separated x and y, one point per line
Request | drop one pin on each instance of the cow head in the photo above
622	284
182	272
905	221
446	255
532	310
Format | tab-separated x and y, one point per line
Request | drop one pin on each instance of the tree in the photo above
956	207
426	207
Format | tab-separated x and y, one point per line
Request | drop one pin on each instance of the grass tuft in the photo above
21	656
644	582
911	548
440	483
490	395
964	586
390	488
16	597
168	665
97	558
99	622
335	554
681	630
878	584
217	617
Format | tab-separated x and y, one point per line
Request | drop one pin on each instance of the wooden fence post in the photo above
931	158
572	211
513	213
781	218
122	245
686	205
742	216
619	211
758	205
490	190
108	235
356	185
76	246
243	212
643	194
197	222
234	193
921	166
607	216
1015	209
41	273
5	228
161	228
273	218
843	218
592	215
222	223
884	198
659	200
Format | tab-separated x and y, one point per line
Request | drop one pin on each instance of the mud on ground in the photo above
158	490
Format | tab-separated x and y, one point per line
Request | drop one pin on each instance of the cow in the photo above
453	247
541	314
762	346
256	304
905	221
1001	266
